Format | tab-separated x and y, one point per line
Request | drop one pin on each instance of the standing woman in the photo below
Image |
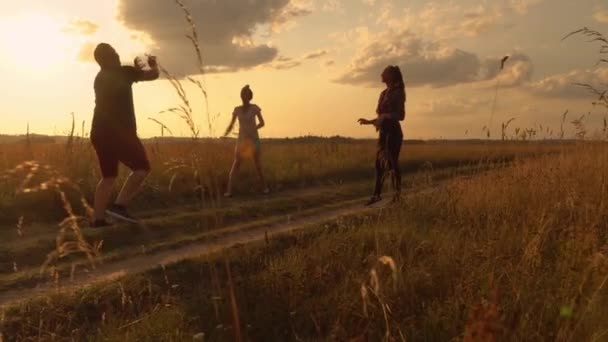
248	143
390	110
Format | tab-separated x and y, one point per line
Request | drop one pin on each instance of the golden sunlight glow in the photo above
34	42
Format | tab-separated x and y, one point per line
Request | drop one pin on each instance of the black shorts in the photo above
113	147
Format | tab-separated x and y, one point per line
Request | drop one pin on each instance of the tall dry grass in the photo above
34	178
176	174
517	254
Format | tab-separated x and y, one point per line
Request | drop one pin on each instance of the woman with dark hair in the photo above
390	110
248	143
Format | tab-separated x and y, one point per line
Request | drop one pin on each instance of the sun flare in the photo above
34	42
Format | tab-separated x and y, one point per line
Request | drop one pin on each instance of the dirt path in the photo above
218	240
44	230
114	270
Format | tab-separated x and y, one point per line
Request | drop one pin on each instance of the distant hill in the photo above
34	139
45	139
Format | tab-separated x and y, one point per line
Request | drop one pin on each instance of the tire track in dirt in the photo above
115	270
223	239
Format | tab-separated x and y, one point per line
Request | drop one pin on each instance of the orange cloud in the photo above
601	16
82	27
86	52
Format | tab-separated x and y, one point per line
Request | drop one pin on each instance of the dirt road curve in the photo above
114	270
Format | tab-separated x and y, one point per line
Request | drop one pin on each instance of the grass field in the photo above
509	241
305	174
182	169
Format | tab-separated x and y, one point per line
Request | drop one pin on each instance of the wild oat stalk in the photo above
184	110
502	66
70	142
163	127
596	37
28	142
602	99
505	126
579	126
373	288
236	321
561	132
70	239
193	37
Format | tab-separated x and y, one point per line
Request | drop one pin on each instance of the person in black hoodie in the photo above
390	110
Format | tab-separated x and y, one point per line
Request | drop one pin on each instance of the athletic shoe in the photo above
120	212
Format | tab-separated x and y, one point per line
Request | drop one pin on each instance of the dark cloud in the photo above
285	63
426	63
284	59
225	28
316	54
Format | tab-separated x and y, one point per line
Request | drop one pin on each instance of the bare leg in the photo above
258	167
131	187
236	165
102	197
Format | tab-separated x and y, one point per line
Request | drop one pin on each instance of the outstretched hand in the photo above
152	62
364	122
138	63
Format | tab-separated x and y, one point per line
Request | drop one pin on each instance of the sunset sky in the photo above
314	65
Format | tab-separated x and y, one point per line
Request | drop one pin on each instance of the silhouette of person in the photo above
114	132
390	110
248	143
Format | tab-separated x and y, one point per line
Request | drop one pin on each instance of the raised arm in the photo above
147	74
231	125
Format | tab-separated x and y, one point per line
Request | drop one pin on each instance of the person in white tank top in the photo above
248	143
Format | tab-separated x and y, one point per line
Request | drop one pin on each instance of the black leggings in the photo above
387	159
